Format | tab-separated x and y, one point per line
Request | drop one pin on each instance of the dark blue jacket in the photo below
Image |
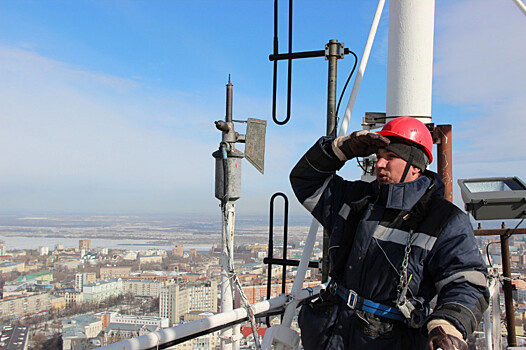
444	261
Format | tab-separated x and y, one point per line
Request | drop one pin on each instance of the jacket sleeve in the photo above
459	273
315	184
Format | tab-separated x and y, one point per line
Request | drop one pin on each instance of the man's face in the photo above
390	168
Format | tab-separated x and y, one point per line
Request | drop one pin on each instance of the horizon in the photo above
109	106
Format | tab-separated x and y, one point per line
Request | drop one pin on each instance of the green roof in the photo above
33	276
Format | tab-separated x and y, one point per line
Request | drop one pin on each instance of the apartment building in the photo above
24	305
102	290
202	296
150	259
178	250
10	266
71	296
107	272
143	288
85	244
173	302
81	279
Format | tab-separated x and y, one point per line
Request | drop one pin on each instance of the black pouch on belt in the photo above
316	320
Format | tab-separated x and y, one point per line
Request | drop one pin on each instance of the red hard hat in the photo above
410	129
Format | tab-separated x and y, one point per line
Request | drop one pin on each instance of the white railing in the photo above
170	336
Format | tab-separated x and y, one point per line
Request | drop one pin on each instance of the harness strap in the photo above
408	165
354	301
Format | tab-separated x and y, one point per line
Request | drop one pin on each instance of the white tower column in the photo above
410	59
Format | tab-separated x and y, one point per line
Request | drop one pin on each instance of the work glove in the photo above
358	144
443	335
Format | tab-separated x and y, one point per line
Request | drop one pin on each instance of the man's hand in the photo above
358	144
443	335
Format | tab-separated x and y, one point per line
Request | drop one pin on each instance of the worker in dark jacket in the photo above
397	248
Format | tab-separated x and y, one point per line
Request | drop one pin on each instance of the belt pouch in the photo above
316	320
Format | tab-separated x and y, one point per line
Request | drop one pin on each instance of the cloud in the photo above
478	57
105	137
479	70
86	141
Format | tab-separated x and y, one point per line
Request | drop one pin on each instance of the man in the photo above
394	245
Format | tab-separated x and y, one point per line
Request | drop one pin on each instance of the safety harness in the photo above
403	311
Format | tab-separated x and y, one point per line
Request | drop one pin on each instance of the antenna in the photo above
255	143
228	190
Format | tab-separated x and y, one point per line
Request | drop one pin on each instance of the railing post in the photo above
507	288
445	158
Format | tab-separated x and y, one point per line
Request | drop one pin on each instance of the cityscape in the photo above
89	281
110	278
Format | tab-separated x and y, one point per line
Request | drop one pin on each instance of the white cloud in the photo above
480	69
479	58
76	131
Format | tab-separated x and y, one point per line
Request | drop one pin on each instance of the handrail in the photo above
175	335
361	69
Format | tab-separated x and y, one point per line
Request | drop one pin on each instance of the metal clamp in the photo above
352	299
339	52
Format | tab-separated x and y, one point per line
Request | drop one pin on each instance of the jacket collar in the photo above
403	196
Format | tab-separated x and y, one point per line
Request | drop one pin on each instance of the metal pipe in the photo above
289	65
520	5
229	89
499	232
275	70
361	69
190	329
227	288
445	159
496	329
332	57
289	262
507	288
285	243
488	331
303	54
270	259
275	65
300	277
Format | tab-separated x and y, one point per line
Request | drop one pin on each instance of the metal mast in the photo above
228	190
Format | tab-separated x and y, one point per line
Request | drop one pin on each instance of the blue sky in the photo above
108	106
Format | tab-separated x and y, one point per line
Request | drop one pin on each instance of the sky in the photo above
109	106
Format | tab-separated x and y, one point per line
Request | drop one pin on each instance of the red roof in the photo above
247	330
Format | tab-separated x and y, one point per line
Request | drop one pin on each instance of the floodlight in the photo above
494	198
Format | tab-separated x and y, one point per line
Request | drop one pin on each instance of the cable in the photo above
232	276
515	229
506	236
347	82
361	165
487	253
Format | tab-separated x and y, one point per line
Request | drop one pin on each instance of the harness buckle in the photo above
352	299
